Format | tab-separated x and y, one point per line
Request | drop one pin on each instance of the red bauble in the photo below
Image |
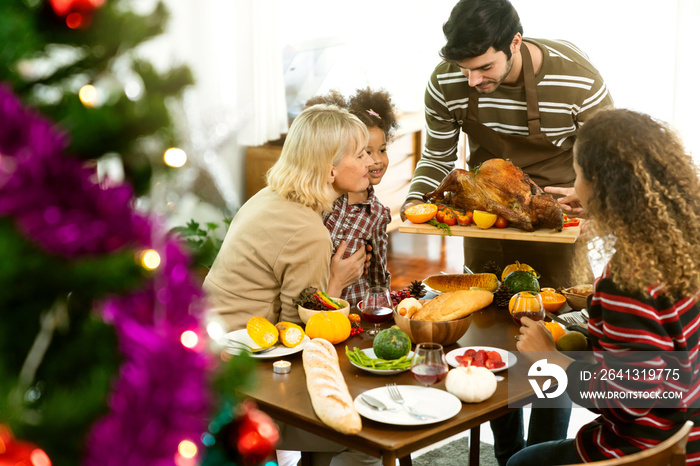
13	452
77	13
254	434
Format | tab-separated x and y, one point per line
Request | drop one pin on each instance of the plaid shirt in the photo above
360	224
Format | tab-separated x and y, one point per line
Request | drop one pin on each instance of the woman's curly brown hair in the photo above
373	108
645	202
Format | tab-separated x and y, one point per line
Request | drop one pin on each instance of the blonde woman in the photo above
277	244
641	193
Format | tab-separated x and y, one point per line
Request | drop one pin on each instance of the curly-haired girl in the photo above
641	193
358	217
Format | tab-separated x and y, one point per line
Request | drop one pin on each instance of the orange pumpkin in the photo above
332	326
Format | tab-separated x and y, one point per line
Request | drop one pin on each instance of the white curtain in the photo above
260	72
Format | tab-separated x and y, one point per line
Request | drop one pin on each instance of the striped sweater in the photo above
646	334
569	90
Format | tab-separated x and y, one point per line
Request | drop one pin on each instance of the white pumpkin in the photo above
471	384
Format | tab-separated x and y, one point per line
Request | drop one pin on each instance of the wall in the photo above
642	48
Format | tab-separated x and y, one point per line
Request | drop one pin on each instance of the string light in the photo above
39	458
189	339
187	449
175	157
88	95
150	259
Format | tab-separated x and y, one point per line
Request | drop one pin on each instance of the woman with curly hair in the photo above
640	191
359	217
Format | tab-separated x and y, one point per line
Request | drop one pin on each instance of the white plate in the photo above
370	353
425	400
507	357
278	351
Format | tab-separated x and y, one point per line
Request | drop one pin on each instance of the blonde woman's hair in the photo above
317	141
645	201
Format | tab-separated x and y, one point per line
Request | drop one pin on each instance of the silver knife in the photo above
373	402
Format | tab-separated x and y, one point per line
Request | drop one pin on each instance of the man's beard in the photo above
498	82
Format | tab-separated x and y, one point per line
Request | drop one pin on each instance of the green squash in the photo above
391	343
521	280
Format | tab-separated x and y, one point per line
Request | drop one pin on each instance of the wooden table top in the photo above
285	397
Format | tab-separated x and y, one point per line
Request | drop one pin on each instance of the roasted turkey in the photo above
499	187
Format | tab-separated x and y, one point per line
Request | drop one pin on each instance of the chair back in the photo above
669	452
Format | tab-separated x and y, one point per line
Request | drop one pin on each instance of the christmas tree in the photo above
77	62
103	350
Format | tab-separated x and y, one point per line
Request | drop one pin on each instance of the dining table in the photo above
286	399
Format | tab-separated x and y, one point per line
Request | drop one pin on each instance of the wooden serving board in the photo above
567	235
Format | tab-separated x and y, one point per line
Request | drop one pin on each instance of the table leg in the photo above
474	446
306	458
388	459
405	461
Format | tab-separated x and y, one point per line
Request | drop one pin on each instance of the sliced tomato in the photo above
494	356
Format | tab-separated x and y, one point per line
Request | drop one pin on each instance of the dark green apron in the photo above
545	163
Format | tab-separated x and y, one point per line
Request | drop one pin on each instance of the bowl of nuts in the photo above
577	296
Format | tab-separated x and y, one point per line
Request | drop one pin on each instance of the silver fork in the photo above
249	349
395	395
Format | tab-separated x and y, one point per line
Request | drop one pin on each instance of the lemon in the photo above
484	219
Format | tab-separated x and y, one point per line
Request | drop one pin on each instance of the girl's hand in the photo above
534	336
570	203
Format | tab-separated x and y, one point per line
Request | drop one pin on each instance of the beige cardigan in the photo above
273	249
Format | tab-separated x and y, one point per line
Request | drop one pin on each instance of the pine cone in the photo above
502	296
417	289
494	268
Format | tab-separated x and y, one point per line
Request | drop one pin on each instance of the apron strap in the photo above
533	108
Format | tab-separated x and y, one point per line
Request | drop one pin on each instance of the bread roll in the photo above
455	305
329	393
408	307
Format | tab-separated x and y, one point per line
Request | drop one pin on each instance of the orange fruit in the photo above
484	219
555	329
552	300
421	213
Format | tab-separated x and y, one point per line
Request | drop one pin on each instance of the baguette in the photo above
454	305
329	393
462	281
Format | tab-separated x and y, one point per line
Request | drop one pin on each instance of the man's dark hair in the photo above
476	25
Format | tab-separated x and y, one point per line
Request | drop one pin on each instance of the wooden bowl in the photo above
576	301
305	314
421	331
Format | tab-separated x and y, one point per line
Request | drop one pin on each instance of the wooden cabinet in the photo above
404	152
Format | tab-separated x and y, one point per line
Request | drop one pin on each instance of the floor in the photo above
415	257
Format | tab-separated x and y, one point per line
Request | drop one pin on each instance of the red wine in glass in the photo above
377	308
526	304
429	374
429	365
377	316
532	315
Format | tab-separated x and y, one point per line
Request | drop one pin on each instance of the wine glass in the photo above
429	365
377	307
526	304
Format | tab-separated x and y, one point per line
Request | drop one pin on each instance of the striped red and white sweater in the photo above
645	334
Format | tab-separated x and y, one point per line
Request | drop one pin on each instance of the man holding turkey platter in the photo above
517	99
